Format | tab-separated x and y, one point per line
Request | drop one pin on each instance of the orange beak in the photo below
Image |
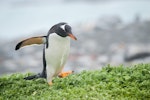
72	36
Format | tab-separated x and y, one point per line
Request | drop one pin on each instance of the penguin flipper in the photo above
30	41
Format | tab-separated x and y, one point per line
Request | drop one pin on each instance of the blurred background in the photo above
115	32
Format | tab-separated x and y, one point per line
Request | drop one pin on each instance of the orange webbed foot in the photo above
50	83
65	74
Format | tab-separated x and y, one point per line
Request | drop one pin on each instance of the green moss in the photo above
109	83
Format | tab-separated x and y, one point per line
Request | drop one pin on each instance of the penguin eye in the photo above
67	28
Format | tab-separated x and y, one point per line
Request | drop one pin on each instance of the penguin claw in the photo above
65	74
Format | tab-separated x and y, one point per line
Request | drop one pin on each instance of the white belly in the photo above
56	54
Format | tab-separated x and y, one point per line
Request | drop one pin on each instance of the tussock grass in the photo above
119	83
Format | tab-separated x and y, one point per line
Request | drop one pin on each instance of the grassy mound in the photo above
109	83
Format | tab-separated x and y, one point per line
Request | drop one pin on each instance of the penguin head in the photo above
62	29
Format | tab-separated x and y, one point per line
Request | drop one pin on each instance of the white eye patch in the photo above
63	26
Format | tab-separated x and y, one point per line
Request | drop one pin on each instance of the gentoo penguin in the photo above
55	51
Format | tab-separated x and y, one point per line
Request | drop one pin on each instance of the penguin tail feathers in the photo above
30	41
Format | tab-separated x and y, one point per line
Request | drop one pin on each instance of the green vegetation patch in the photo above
122	83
